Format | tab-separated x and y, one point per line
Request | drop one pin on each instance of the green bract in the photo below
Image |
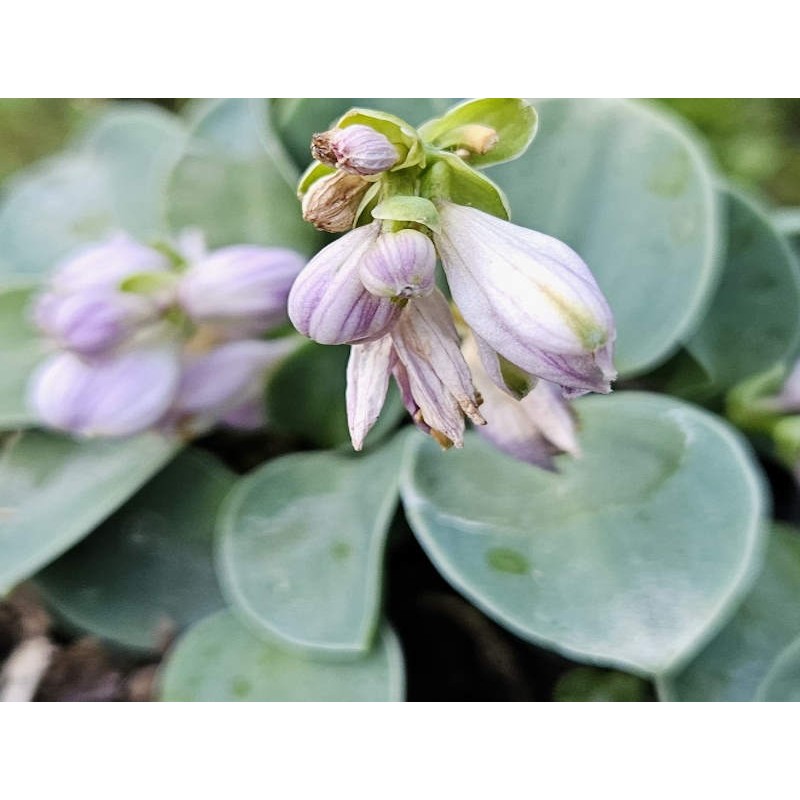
512	120
408	209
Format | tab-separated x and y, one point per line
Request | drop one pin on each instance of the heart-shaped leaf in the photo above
235	181
629	189
221	660
632	556
301	547
735	662
148	569
54	490
754	317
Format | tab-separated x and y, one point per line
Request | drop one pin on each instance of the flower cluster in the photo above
165	338
528	326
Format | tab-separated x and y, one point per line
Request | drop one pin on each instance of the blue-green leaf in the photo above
148	570
633	555
20	350
54	490
782	683
735	662
630	190
301	546
753	320
221	660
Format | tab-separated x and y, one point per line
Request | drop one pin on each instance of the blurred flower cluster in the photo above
528	327
167	337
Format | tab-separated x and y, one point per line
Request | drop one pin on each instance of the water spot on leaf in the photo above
240	687
671	176
503	559
340	550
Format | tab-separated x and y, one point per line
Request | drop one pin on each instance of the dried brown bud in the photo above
332	202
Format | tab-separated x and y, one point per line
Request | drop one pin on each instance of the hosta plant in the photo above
337	399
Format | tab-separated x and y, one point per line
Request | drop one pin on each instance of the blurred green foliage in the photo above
755	141
30	129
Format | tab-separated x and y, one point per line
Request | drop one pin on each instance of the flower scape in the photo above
526	327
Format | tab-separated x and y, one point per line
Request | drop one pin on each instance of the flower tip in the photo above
357	149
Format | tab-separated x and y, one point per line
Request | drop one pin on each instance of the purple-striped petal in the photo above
329	304
529	296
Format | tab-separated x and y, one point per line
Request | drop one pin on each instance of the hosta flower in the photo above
150	341
534	428
106	264
529	297
423	353
94	321
243	286
118	396
399	265
329	303
226	383
357	148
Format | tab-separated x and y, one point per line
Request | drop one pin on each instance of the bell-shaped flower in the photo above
400	265
534	428
423	353
226	383
92	322
244	287
529	297
358	149
118	396
328	302
106	264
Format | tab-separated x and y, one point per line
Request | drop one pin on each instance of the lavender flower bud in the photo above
530	297
119	396
332	202
106	264
329	304
357	148
94	321
226	381
244	286
399	265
